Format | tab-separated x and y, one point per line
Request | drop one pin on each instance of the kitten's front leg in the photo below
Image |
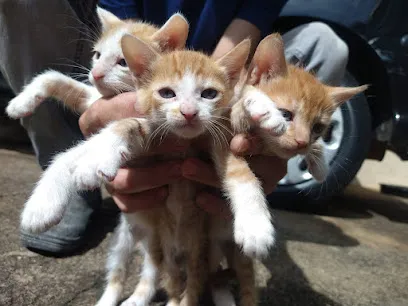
108	150
75	95
253	228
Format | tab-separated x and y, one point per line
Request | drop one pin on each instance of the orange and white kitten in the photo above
303	100
182	92
109	74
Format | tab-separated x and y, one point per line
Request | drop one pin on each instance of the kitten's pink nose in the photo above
189	115
97	75
301	144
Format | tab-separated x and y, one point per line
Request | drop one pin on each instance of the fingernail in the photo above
189	169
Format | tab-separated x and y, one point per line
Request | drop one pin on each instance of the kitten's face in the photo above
110	73
184	91
307	107
303	100
187	91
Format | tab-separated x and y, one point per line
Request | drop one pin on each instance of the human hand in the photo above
104	111
204	173
144	187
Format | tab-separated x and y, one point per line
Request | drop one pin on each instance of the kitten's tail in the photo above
50	198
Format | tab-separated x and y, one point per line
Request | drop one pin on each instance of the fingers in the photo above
135	180
201	172
270	169
104	111
243	144
213	205
129	203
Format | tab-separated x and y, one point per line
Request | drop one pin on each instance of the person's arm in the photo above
124	9
253	21
237	31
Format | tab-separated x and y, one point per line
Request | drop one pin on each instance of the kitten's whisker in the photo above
220	125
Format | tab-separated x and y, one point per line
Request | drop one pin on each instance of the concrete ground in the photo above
356	254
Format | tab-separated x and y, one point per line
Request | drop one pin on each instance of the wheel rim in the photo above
297	172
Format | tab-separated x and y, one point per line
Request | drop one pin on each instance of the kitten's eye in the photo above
122	62
167	93
318	128
288	115
209	93
97	54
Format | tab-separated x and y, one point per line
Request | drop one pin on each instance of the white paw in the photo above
37	219
274	123
255	234
24	104
105	154
264	112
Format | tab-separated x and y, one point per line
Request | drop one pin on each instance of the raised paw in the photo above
263	111
274	123
105	153
23	104
256	235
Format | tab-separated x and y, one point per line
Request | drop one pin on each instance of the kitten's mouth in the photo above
188	129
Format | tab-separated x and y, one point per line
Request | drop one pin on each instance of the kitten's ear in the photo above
106	18
173	34
316	163
138	54
234	61
269	60
343	94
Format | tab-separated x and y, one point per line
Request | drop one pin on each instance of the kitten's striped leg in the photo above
244	269
75	95
197	272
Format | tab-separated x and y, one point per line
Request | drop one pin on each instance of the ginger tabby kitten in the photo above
305	102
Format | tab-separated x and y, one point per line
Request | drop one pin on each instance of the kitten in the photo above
183	92
109	74
270	89
303	100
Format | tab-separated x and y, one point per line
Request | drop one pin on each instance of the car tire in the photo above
310	195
